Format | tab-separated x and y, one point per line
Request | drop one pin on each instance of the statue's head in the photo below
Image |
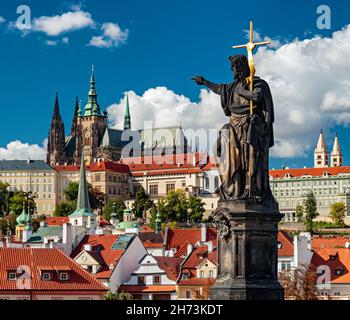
240	66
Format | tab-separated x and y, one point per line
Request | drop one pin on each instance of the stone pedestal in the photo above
247	251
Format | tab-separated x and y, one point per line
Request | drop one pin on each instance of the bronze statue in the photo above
243	145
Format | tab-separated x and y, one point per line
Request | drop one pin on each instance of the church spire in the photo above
337	155
92	108
86	217
83	195
127	118
321	153
74	128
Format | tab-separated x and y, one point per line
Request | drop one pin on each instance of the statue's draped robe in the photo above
244	143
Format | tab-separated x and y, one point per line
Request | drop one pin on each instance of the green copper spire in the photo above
158	223
22	218
92	108
127	118
83	204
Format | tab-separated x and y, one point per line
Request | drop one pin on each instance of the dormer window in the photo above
332	257
339	271
63	276
46	276
12	276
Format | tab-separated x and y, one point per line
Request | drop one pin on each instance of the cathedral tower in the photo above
56	138
321	154
91	127
337	155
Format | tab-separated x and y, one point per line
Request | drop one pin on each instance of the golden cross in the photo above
250	49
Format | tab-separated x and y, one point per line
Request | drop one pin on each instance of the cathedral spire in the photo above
127	118
321	153
337	155
56	137
92	108
56	113
74	128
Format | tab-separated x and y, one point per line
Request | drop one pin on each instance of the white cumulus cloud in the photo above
310	84
112	36
17	150
69	21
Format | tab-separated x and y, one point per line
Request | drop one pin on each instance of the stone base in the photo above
247	251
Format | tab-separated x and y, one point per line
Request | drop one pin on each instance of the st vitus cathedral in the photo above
90	135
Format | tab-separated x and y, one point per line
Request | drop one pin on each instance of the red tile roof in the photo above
287	244
170	265
170	164
148	289
314	172
97	167
335	259
56	221
197	282
151	239
177	238
49	259
329	242
101	251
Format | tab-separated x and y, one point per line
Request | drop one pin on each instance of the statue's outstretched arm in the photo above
204	82
212	86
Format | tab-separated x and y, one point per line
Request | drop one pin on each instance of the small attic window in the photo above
287	175
325	174
332	257
279	244
339	271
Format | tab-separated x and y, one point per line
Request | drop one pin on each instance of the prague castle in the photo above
90	135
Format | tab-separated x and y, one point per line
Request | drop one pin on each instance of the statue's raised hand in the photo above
199	80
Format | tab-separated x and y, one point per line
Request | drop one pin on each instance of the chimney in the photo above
189	249
28	161
68	237
210	246
203	232
194	160
43	224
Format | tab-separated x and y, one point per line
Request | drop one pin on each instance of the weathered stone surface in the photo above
247	251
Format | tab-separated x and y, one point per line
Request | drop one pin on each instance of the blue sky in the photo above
167	42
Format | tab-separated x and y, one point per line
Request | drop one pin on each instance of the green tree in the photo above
17	200
311	213
195	209
299	212
96	197
119	208
8	222
118	296
65	208
176	206
338	213
71	191
4	197
142	203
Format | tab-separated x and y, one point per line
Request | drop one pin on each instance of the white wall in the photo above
128	263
